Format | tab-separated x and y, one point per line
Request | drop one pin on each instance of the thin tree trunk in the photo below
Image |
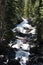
39	25
2	14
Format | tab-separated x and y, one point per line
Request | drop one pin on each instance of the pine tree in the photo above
7	21
28	8
10	15
36	53
39	26
20	7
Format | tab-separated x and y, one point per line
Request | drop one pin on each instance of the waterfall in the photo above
23	40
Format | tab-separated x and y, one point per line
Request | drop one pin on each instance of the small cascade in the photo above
24	34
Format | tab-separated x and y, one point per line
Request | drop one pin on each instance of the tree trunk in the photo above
2	14
40	22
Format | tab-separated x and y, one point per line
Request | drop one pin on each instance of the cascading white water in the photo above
22	46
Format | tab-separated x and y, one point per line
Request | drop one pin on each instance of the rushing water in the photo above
23	40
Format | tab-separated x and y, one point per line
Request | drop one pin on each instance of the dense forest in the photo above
11	13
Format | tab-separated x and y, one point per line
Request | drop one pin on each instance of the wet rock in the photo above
13	62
